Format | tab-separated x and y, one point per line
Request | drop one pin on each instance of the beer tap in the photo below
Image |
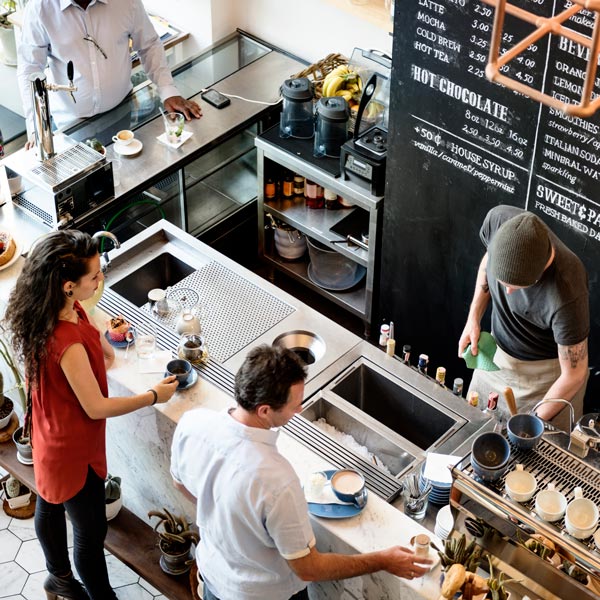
41	108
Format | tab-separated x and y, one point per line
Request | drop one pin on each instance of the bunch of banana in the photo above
343	82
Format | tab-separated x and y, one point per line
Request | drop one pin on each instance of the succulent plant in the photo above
13	487
112	488
457	551
496	584
176	536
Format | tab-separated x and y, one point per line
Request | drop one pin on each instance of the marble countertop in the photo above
378	526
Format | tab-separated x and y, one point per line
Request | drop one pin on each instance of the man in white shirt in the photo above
95	36
256	540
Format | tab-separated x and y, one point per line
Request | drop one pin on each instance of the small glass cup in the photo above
174	122
145	345
415	498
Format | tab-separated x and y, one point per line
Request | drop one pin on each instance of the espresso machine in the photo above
61	187
547	560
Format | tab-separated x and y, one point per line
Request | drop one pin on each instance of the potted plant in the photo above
112	496
7	33
17	494
496	585
457	551
6	406
21	435
175	541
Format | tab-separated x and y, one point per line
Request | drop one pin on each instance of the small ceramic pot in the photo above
490	454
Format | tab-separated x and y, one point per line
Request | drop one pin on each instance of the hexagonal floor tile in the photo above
119	573
23	528
31	557
9	545
34	588
13	579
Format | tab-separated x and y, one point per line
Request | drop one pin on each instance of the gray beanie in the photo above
520	250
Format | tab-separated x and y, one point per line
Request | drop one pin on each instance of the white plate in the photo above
15	257
134	147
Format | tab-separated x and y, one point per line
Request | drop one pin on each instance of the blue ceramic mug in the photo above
182	369
349	486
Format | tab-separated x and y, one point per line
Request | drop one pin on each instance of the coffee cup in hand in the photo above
182	369
123	137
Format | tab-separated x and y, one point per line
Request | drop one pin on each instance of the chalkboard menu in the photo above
460	144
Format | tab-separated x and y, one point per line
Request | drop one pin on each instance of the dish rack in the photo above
513	523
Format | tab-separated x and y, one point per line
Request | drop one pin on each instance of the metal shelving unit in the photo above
325	226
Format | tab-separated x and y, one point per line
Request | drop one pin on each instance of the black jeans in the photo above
208	595
88	515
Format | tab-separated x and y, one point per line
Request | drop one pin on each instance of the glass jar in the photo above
192	347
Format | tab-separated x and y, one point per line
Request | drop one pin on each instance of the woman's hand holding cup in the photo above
165	388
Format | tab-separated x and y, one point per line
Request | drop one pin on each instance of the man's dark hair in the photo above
266	376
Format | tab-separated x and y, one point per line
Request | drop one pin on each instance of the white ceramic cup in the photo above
123	137
581	517
550	504
520	484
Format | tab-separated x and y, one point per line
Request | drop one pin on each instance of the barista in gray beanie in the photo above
540	315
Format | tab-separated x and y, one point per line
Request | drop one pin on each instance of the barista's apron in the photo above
530	380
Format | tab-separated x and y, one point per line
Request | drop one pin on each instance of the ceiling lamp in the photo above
546	26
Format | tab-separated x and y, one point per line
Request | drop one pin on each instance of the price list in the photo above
492	135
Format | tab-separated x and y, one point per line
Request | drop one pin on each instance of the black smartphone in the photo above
215	98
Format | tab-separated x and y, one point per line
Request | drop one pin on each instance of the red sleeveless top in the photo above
65	440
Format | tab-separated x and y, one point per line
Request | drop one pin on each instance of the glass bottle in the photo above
406	354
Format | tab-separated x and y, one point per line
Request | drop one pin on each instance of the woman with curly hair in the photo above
65	359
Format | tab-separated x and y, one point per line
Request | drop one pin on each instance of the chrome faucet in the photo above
113	238
42	119
583	435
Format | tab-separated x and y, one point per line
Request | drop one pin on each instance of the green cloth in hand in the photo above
486	348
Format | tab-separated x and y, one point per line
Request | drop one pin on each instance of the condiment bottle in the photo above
331	199
406	354
390	347
298	185
270	189
457	387
440	376
287	189
474	398
314	195
384	334
422	364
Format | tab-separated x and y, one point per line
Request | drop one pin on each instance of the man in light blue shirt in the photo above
256	541
95	36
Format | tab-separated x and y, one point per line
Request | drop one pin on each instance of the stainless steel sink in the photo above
161	272
414	417
386	450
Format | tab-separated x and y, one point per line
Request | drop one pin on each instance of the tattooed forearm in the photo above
574	354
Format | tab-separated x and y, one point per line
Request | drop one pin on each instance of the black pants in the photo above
88	515
208	595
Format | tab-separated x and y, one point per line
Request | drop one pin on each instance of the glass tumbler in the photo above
415	498
174	122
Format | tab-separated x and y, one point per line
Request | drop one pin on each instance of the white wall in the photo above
311	29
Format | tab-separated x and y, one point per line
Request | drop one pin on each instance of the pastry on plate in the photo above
117	328
8	247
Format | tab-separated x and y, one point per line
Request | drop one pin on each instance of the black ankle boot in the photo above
67	588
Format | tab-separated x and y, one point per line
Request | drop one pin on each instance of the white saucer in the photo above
15	257
134	147
24	461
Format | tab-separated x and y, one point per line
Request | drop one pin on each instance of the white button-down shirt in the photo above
54	33
251	510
